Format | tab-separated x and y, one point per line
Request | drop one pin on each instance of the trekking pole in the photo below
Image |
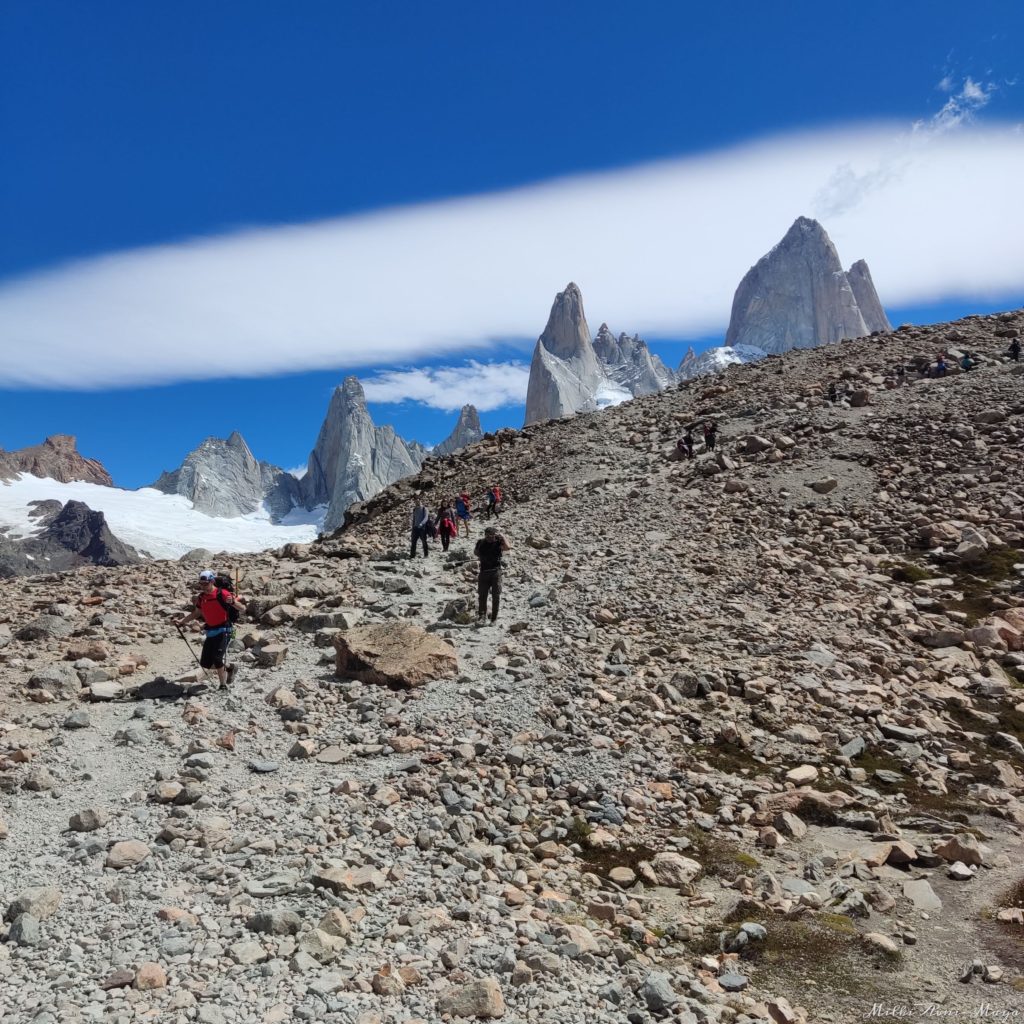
181	633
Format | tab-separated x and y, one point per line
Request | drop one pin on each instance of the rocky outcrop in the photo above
84	532
72	536
467	431
353	458
570	373
564	372
224	478
397	654
867	298
57	458
798	296
628	363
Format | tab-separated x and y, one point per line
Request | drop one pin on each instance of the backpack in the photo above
225	584
496	491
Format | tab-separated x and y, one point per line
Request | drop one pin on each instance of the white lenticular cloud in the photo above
657	249
486	385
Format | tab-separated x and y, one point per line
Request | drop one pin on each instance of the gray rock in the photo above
628	363
353	458
60	679
224	478
797	296
657	993
467	431
25	931
45	627
564	372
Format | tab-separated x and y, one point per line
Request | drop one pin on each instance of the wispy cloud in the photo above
486	385
961	106
657	249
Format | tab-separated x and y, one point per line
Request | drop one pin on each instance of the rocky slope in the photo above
353	458
798	296
745	746
57	458
467	431
224	478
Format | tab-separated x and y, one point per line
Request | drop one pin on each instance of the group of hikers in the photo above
939	367
451	517
218	607
448	522
685	444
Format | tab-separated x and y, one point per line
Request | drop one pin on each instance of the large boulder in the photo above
60	679
393	654
45	627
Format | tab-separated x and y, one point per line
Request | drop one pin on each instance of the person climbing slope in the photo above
489	550
218	607
446	527
463	511
493	500
419	524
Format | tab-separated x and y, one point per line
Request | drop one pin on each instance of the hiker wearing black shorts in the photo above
489	550
214	605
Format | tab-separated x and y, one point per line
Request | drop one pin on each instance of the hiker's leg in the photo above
495	595
412	546
482	586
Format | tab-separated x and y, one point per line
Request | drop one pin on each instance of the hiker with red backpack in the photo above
446	527
219	609
493	500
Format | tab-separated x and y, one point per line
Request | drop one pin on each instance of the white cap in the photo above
207	575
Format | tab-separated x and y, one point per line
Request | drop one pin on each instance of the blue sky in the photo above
129	126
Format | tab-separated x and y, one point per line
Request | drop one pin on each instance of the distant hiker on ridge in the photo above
489	550
966	362
1014	350
463	511
420	523
214	604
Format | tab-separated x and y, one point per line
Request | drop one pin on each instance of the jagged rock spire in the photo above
798	296
467	431
353	458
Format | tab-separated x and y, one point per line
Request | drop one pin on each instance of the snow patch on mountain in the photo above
714	360
161	525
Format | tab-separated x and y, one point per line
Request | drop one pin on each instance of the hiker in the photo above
420	525
710	436
463	512
489	550
966	362
214	605
833	393
493	500
446	527
1014	350
940	366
